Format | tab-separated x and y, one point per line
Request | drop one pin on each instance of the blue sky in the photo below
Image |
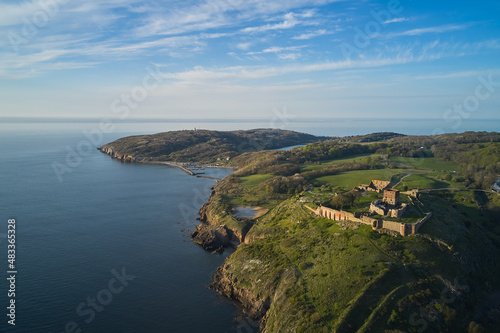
242	59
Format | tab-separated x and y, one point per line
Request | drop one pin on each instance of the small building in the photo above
379	185
375	186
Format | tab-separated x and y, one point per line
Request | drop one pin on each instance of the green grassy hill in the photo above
302	273
297	272
204	145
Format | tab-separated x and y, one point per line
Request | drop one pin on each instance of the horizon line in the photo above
207	120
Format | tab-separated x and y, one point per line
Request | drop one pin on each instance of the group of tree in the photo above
329	150
345	200
286	185
476	153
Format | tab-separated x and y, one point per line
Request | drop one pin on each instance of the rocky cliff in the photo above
226	284
124	158
219	228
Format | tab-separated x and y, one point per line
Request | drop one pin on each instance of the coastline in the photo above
184	166
213	237
276	278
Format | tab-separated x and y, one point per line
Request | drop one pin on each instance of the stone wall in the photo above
334	214
412	193
404	229
394	226
375	208
397	213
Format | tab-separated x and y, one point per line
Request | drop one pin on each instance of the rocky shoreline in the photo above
212	234
224	283
215	234
181	166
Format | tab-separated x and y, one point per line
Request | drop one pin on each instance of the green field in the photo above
422	182
354	159
355	178
249	182
425	162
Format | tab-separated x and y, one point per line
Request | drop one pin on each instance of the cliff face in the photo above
269	290
212	238
124	158
219	228
226	284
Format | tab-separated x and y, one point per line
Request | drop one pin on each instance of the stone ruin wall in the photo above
404	229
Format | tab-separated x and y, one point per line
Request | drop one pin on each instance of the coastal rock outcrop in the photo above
225	283
124	158
213	215
212	238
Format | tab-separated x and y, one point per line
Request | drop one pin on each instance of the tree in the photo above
352	196
474	328
342	200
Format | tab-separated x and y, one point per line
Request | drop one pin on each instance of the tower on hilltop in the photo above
391	197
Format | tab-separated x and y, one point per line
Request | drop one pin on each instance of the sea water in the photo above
107	247
103	246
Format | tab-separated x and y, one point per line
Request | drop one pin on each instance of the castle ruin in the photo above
375	186
404	229
389	206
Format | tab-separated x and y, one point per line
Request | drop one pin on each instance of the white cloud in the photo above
395	55
435	30
289	56
455	75
278	49
183	17
11	14
310	35
289	22
244	46
201	74
31	65
397	20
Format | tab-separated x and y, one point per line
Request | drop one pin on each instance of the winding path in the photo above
408	174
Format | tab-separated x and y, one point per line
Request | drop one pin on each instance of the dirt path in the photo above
408	174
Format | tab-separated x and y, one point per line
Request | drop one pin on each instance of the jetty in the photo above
176	165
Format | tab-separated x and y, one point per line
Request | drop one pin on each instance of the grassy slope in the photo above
249	182
321	277
358	158
340	278
354	178
426	162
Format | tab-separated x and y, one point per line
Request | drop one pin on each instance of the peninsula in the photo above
376	233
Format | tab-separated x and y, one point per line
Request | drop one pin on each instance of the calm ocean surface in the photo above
104	215
107	216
